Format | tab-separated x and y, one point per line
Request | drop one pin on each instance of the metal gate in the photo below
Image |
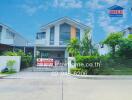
59	65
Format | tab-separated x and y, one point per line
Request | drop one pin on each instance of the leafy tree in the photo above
130	36
86	46
73	47
25	58
10	65
125	48
83	47
113	40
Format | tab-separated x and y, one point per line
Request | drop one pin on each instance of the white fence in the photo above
5	59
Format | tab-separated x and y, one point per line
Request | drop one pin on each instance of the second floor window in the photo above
52	31
78	33
9	34
41	35
130	30
0	28
65	30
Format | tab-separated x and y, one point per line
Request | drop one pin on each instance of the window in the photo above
130	30
0	28
52	31
9	34
65	30
41	35
78	33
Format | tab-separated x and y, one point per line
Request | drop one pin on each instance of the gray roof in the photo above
13	31
65	18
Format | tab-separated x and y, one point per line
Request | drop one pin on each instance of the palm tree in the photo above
73	47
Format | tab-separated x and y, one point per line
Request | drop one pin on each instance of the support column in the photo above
34	51
57	35
47	36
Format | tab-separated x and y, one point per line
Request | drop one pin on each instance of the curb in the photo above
103	77
4	75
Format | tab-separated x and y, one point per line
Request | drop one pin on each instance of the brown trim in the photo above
73	32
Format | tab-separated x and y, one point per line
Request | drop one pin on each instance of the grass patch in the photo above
116	71
8	72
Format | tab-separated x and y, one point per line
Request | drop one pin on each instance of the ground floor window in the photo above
52	54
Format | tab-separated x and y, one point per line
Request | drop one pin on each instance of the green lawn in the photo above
116	71
8	73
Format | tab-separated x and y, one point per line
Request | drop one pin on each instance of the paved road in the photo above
53	86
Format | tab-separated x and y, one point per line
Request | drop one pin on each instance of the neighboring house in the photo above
52	39
127	31
10	39
104	49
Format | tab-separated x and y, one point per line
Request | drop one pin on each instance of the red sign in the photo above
116	12
45	62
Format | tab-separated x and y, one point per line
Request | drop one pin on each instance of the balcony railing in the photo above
63	43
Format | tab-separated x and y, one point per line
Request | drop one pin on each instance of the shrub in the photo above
78	71
87	59
26	59
91	64
10	65
10	53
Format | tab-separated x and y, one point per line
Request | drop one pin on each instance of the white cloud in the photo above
122	2
68	3
31	7
103	4
116	2
110	25
110	1
30	10
94	4
90	20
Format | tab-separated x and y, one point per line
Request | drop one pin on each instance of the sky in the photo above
27	16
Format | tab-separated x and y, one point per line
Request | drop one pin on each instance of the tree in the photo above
130	36
86	46
113	40
73	47
125	47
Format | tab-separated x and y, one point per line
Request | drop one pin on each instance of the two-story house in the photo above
10	39
52	39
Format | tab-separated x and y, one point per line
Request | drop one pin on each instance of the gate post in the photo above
71	63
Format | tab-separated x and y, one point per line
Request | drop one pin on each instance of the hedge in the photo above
89	64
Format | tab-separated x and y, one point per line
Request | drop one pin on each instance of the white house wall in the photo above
5	59
16	41
4	40
20	41
46	41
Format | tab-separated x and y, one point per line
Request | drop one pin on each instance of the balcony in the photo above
42	42
63	43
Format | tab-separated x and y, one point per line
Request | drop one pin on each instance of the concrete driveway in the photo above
55	86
